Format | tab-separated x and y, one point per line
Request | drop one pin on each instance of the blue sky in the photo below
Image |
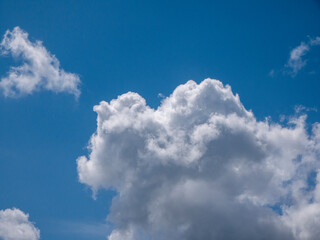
148	47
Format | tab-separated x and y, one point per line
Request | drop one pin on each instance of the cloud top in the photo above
15	225
201	166
40	69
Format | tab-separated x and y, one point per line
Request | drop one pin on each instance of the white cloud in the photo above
296	61
315	41
304	216
201	166
40	69
15	225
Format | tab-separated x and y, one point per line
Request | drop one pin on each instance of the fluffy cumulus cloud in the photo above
296	61
201	166
15	225
39	70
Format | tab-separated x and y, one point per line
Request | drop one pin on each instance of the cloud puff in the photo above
15	225
201	166
295	62
40	69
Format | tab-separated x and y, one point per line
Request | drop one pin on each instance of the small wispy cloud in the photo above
40	69
304	109
272	73
296	61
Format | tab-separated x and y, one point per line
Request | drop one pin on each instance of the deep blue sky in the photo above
148	47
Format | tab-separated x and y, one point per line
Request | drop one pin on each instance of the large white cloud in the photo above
40	69
15	225
201	166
